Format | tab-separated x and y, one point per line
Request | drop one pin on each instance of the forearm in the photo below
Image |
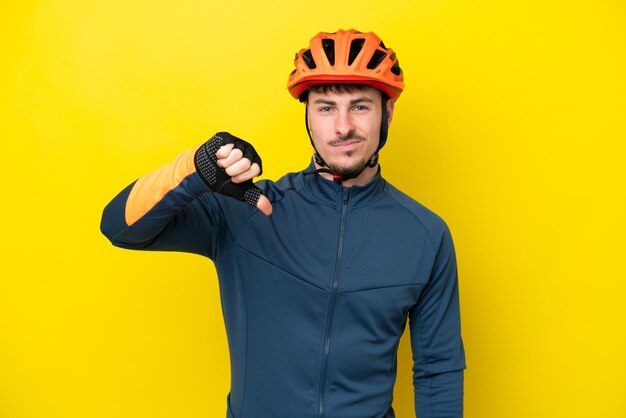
143	210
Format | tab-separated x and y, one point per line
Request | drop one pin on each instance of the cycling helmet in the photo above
347	57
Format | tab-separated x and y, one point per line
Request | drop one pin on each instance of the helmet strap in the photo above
318	158
384	130
384	123
373	161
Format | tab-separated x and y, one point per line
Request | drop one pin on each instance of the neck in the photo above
365	177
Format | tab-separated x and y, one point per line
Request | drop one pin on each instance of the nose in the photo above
344	124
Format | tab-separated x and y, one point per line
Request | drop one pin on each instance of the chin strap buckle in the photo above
337	178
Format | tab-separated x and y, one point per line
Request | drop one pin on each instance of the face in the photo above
345	127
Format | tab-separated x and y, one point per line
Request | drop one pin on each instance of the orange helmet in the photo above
347	57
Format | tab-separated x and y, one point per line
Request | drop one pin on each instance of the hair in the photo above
337	88
334	88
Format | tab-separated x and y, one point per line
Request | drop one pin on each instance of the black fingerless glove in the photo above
216	178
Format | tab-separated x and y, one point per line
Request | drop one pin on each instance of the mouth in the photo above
345	143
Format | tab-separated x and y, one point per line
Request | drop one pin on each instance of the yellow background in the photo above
511	128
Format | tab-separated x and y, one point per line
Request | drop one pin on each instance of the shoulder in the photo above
275	191
427	219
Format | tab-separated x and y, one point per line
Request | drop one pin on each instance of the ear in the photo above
390	106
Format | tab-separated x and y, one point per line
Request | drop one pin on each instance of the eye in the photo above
325	109
360	108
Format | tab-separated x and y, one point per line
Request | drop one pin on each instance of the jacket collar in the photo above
331	193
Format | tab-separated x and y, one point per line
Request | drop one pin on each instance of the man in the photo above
320	270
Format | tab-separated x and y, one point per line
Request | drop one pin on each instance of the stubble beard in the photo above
348	172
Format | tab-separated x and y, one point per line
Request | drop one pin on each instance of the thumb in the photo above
264	205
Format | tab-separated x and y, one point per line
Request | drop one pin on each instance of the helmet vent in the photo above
377	58
329	49
308	59
355	47
346	57
396	68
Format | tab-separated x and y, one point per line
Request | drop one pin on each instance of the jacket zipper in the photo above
333	302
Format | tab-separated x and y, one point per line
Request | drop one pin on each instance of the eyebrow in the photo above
352	102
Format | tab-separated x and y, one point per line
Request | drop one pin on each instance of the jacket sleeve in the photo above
169	209
438	353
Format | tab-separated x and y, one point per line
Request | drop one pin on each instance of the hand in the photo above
242	165
228	164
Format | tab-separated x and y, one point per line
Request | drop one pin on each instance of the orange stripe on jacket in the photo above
150	188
